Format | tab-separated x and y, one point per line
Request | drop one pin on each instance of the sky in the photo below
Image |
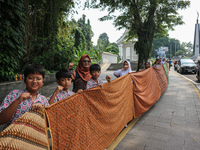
184	33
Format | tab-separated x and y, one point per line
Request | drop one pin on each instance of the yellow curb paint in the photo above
122	134
197	91
104	66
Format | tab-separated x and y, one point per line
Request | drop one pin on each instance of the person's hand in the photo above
122	69
73	73
108	78
59	88
36	106
24	97
70	66
101	85
80	91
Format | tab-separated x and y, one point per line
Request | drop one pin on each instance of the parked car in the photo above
186	65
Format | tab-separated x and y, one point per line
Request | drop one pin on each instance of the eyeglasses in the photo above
86	61
33	79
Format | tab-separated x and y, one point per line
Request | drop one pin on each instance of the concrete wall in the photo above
109	58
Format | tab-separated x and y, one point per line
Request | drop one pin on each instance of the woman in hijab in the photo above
82	73
125	70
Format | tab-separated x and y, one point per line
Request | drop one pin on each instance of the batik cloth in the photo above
29	132
23	106
91	83
93	119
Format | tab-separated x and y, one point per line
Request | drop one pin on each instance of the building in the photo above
126	48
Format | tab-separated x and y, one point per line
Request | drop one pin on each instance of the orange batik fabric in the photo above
162	78
146	90
27	132
93	119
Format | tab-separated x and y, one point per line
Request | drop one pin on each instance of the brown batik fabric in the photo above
27	132
93	119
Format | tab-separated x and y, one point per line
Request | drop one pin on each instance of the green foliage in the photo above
169	55
12	32
143	20
180	52
44	29
103	41
34	31
86	30
93	53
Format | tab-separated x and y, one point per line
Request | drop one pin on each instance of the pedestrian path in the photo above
173	123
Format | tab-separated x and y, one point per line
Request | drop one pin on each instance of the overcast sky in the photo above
184	33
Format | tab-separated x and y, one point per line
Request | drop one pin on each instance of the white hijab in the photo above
124	72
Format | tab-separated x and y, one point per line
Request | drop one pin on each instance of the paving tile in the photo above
156	144
192	143
190	148
176	130
145	127
161	130
166	120
177	122
162	124
159	136
140	133
135	139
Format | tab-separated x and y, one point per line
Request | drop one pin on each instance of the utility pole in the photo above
175	48
170	48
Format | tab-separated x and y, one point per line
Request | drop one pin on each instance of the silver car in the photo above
186	65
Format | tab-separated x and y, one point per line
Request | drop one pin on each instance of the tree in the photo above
103	41
12	31
180	52
160	42
86	30
43	20
143	19
188	46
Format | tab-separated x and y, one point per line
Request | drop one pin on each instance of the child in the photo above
95	71
17	102
125	70
64	80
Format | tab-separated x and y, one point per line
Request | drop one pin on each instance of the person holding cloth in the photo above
18	102
95	71
62	91
125	70
82	74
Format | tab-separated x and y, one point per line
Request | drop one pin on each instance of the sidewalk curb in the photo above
198	88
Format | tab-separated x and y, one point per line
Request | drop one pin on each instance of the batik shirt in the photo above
23	106
61	95
91	83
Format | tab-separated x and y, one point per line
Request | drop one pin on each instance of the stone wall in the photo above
108	58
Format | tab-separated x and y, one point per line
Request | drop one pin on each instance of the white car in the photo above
186	65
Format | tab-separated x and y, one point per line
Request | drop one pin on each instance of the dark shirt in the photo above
79	83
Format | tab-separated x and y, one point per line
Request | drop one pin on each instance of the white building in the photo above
126	49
